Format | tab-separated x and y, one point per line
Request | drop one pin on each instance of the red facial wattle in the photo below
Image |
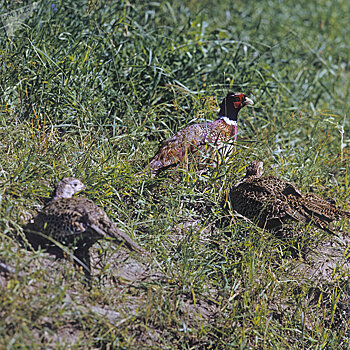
238	103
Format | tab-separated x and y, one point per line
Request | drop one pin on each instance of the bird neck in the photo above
229	111
250	177
228	121
232	124
253	176
55	197
61	193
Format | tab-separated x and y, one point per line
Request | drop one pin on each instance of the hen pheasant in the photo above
196	138
75	221
271	202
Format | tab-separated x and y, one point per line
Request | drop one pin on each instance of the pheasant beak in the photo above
81	188
248	101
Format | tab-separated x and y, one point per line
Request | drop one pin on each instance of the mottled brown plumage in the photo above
76	221
271	202
200	139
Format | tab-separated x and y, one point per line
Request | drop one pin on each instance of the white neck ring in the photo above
228	121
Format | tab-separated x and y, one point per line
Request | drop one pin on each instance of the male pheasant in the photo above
271	202
75	221
196	138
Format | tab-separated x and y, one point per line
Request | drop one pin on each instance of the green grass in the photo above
91	89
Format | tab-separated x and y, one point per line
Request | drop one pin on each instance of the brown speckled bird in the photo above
271	202
199	138
75	221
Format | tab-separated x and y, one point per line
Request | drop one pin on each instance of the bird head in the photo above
67	187
232	103
255	169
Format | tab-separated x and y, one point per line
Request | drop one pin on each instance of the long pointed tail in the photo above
304	214
120	235
323	208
